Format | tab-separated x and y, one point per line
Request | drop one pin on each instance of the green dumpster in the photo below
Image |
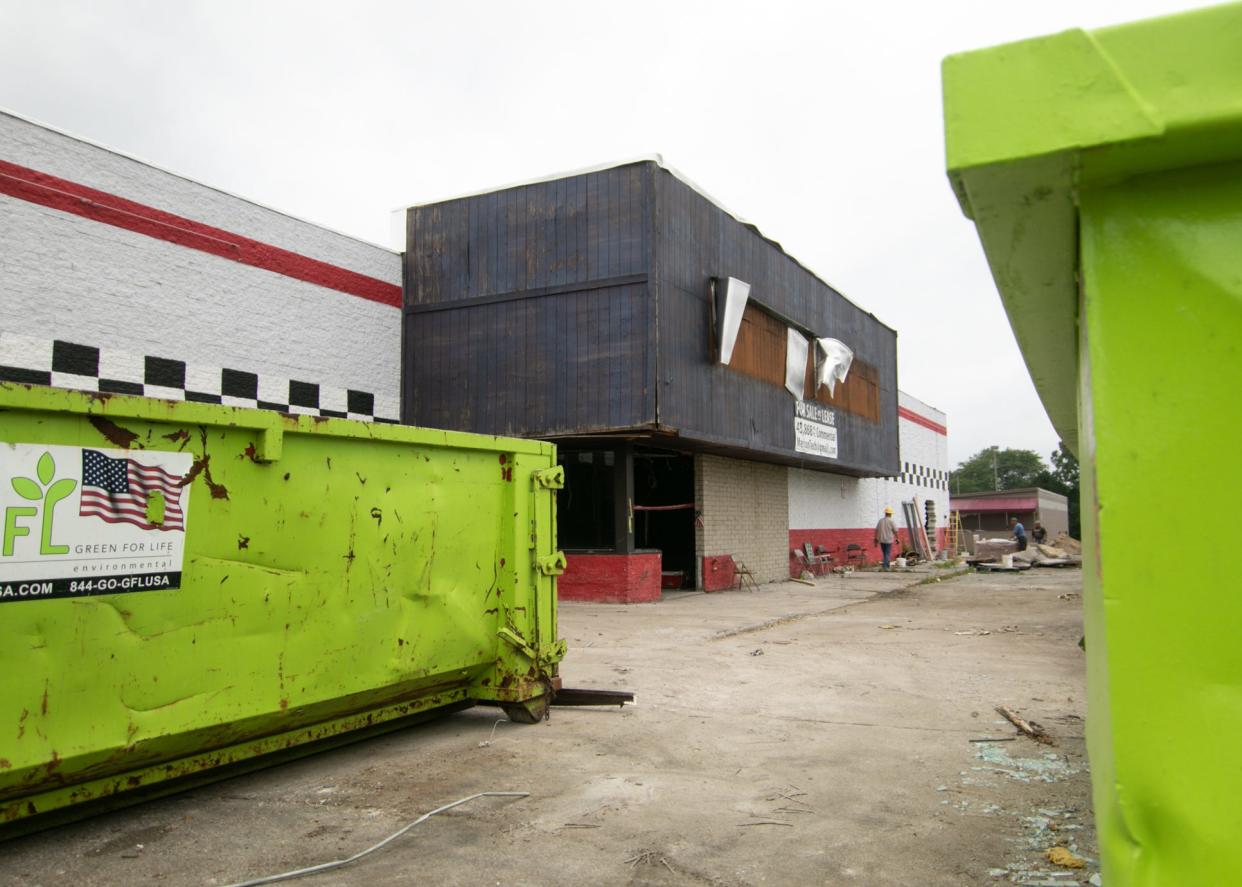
185	587
1103	171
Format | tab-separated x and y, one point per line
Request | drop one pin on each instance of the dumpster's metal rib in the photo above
326	866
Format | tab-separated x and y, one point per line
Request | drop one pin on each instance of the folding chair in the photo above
743	576
822	561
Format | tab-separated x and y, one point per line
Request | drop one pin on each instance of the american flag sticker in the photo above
123	491
85	521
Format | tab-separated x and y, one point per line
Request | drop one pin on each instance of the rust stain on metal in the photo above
21	723
119	437
53	765
432	697
242	541
202	465
45	697
181	437
250	453
503	458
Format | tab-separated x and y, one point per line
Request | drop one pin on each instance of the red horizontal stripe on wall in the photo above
836	541
922	420
100	206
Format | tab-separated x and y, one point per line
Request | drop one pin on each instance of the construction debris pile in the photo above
1002	555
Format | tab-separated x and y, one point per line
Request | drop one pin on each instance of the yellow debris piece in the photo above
1062	857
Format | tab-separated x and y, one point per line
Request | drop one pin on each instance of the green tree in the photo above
1065	466
997	469
1064	480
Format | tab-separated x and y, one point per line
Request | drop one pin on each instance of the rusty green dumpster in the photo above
1103	171
186	586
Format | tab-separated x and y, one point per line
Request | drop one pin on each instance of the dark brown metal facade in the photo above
582	306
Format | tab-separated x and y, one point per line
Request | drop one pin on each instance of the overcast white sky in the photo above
819	122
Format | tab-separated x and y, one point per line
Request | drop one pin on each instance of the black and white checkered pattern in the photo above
61	364
922	476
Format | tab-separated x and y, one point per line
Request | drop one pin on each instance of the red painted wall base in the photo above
835	541
718	572
611	578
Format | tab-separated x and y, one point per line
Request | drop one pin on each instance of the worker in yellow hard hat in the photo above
886	535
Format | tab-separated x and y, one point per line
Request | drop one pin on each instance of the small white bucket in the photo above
900	563
1007	560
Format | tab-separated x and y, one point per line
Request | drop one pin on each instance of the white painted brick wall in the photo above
745	508
818	500
64	276
39	147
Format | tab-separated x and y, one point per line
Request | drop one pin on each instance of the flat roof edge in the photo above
658	161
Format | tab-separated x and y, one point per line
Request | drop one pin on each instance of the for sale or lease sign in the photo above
815	429
79	522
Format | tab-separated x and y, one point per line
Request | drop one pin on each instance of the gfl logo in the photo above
46	494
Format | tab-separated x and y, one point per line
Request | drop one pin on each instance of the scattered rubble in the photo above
1048	767
1028	728
1002	555
1061	856
1068	543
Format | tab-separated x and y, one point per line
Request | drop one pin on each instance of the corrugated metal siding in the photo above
527	310
580	305
696	240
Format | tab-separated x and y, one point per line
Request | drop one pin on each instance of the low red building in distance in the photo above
988	513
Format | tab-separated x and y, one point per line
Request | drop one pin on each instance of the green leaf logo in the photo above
45	492
61	489
27	489
46	469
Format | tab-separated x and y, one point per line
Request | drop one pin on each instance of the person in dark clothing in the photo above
1019	533
1039	533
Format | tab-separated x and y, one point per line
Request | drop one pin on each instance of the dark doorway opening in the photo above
587	506
664	511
